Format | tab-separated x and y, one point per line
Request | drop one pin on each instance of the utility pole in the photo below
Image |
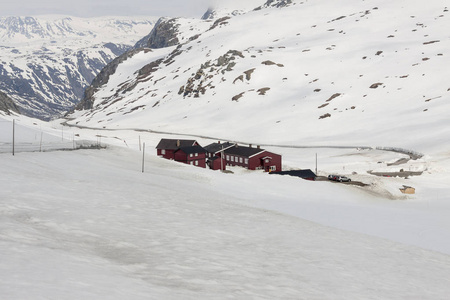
221	160
143	157
13	141
316	163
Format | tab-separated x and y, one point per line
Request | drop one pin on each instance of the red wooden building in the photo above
247	157
192	155
253	158
185	151
214	157
166	147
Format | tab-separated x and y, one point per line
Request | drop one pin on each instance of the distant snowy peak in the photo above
46	62
25	29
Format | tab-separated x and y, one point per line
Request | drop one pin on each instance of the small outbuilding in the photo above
306	174
408	190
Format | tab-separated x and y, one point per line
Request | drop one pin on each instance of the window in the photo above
190	155
273	168
191	162
232	158
163	151
196	154
267	161
246	161
241	160
196	162
228	157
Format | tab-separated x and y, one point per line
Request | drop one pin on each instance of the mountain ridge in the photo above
291	66
47	62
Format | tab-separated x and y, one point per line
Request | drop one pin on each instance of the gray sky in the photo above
93	8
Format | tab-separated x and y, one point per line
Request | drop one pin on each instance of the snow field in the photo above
89	224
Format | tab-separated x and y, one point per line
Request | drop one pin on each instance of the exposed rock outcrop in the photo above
164	34
7	105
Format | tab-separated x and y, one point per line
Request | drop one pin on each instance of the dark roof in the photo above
307	173
216	147
192	149
214	158
171	144
243	151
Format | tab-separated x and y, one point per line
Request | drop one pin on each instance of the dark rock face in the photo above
275	3
164	34
7	105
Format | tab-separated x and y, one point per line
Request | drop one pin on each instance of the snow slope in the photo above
106	230
293	75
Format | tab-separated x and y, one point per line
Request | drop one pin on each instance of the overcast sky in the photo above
93	8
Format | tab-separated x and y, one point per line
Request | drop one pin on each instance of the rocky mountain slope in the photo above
294	72
46	62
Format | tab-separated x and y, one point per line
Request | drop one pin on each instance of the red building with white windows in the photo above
185	151
247	157
166	147
192	155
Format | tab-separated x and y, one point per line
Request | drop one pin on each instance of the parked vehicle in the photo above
332	177
338	178
343	179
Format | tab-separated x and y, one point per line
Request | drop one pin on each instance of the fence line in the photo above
16	137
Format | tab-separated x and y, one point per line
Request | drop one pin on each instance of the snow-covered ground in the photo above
89	224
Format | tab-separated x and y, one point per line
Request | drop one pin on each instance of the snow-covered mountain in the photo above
46	62
312	70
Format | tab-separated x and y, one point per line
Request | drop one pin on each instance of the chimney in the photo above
258	147
249	145
218	142
178	143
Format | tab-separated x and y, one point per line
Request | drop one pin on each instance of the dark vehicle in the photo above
332	177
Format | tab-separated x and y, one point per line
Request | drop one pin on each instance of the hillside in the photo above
46	62
300	72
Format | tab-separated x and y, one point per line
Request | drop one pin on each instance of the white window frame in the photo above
241	160
246	161
196	162
163	151
191	155
196	154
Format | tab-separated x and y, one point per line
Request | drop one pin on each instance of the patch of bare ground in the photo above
248	73
332	97
263	91
376	85
237	97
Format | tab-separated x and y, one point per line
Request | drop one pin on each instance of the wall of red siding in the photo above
180	156
168	155
255	161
